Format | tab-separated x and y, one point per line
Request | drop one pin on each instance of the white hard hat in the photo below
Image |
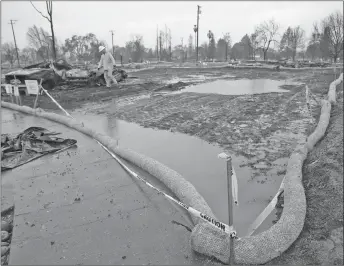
101	48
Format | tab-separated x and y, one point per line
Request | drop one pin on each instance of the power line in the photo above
14	37
157	43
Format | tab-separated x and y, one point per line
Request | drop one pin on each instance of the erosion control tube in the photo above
207	239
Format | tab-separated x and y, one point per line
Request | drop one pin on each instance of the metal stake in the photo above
36	100
230	203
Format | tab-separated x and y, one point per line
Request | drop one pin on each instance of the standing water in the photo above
237	87
197	162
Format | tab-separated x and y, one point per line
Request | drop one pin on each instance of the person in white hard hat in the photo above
107	61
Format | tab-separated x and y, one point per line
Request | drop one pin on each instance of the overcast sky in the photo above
129	18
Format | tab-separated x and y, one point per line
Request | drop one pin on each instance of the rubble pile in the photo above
60	74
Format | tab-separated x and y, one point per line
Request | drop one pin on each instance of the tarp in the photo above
29	145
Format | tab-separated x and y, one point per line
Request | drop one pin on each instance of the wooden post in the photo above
39	91
230	207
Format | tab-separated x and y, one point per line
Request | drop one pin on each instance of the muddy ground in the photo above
264	128
321	241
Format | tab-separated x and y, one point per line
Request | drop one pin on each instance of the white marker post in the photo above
230	203
9	91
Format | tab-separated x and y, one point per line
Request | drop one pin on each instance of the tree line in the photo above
266	42
325	42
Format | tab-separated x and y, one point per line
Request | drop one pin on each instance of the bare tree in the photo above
190	45
39	40
293	39
136	48
254	44
267	32
170	43
161	43
227	38
319	46
332	29
49	6
166	37
211	47
285	47
297	39
34	37
29	54
8	52
25	55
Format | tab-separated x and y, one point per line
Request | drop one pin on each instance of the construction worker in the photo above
107	61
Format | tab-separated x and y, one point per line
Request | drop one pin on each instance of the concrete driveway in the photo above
117	220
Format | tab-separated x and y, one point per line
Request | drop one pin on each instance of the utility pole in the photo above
160	44
195	30
157	43
166	38
113	48
170	43
15	42
182	51
198	12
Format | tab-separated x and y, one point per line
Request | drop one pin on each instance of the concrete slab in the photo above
117	220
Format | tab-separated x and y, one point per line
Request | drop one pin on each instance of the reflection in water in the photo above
237	87
112	125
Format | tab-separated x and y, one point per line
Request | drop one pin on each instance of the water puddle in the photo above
196	161
238	87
